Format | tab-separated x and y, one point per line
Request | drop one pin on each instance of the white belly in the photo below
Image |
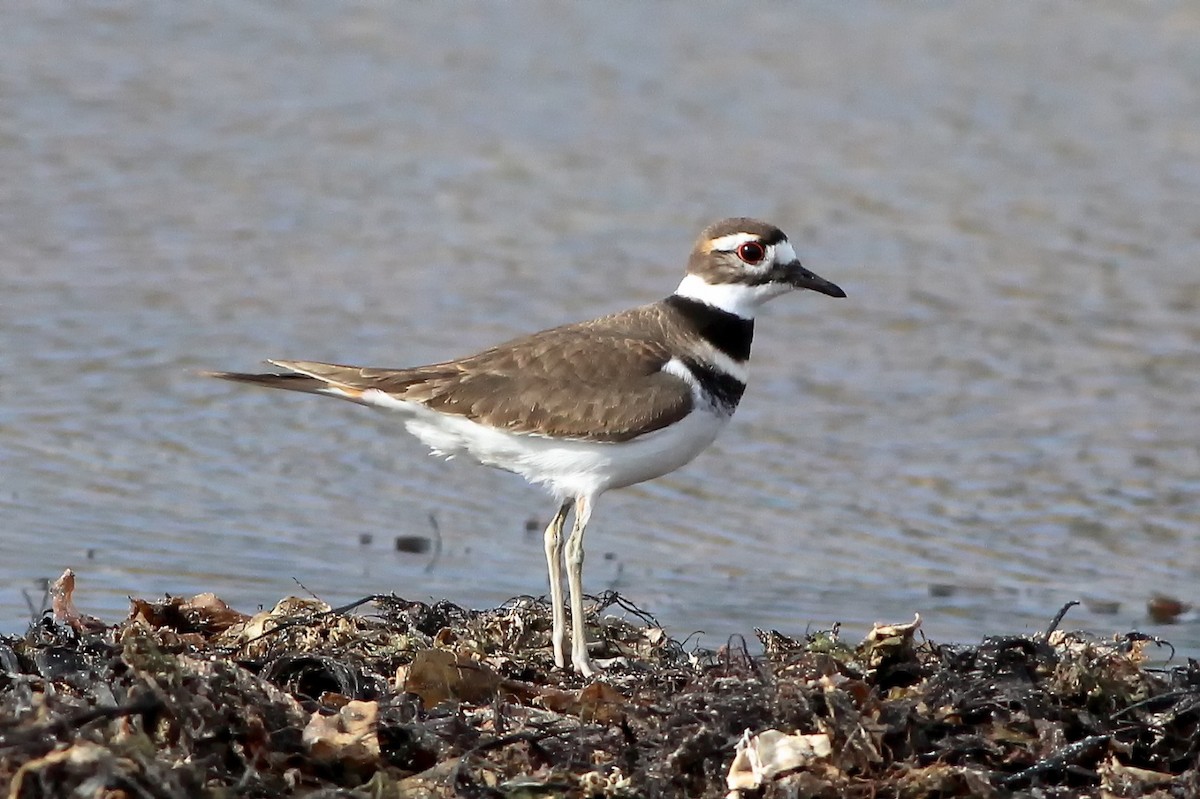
568	468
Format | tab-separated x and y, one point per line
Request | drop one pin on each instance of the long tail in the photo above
287	381
351	383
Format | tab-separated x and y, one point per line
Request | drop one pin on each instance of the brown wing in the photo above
585	381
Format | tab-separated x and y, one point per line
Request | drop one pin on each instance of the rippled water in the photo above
1003	415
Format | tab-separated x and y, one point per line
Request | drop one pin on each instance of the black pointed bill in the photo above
801	278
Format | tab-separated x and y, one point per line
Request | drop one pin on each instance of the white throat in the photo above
740	299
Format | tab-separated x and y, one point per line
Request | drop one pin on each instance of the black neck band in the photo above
728	332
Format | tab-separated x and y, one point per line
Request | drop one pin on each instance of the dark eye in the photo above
751	252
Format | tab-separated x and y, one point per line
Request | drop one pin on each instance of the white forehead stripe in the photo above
784	253
732	241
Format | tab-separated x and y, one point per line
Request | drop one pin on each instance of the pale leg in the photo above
554	551
579	653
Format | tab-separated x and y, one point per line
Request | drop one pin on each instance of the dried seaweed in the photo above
393	698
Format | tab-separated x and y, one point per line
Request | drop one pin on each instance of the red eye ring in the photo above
752	252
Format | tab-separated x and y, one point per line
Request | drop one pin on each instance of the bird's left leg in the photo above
579	653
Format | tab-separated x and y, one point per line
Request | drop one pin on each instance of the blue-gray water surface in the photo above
1003	415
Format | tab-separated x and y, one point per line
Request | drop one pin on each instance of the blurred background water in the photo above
1002	416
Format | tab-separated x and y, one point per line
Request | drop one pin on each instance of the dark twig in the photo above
1058	617
306	589
1136	637
1168	697
36	611
307	620
1064	757
624	604
737	643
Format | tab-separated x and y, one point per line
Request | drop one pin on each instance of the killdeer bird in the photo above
591	406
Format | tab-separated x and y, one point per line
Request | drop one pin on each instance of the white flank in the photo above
679	369
569	468
721	361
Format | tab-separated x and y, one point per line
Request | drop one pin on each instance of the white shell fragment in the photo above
769	753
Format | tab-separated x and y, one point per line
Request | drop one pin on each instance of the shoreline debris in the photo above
392	698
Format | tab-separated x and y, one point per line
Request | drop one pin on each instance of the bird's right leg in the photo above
579	652
554	551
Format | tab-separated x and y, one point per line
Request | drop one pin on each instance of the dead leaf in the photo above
63	605
205	613
600	703
349	736
1125	780
437	675
887	642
